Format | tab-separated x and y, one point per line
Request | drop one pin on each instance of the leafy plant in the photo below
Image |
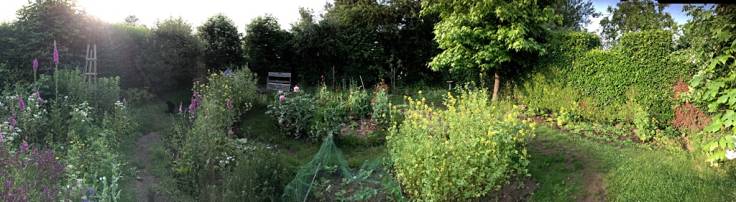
460	152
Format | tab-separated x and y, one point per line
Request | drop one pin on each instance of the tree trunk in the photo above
496	85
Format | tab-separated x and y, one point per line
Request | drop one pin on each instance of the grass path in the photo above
146	182
568	167
146	155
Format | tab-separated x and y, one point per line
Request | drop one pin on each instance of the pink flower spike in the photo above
21	103
35	65
56	54
24	147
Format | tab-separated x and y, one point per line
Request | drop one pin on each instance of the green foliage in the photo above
294	114
177	53
256	176
457	153
200	142
714	86
599	84
483	35
266	46
633	16
381	108
222	45
101	95
575	14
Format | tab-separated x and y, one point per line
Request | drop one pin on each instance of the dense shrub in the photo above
294	114
599	84
457	153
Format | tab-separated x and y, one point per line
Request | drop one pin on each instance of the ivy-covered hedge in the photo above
605	85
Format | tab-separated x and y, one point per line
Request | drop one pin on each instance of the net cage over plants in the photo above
327	177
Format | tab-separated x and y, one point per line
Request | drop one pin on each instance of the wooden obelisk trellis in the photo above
90	68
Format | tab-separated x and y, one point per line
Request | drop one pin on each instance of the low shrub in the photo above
256	176
294	114
457	153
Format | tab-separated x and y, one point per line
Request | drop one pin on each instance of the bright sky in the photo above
601	5
195	12
240	11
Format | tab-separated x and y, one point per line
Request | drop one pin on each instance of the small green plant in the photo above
460	152
381	108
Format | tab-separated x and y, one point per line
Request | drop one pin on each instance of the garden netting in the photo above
327	177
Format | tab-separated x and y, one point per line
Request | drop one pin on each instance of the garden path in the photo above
146	184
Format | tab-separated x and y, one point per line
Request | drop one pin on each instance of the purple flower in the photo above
35	64
21	103
2	137
24	147
228	72
13	121
196	99
38	97
56	54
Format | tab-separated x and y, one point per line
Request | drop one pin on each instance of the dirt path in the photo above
146	182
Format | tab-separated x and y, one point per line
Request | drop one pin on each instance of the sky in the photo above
601	6
241	12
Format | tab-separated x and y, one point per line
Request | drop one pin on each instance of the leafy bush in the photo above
460	152
597	84
101	95
381	108
294	114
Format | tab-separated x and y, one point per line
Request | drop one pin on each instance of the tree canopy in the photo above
632	16
222	45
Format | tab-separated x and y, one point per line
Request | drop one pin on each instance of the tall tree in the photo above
38	25
487	35
635	15
222	44
174	56
575	13
267	46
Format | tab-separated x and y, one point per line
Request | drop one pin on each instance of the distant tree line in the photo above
363	41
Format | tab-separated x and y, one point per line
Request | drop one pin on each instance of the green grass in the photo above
630	172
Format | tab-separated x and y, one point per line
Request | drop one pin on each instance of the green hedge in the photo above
603	85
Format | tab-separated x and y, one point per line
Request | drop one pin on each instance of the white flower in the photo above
730	154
